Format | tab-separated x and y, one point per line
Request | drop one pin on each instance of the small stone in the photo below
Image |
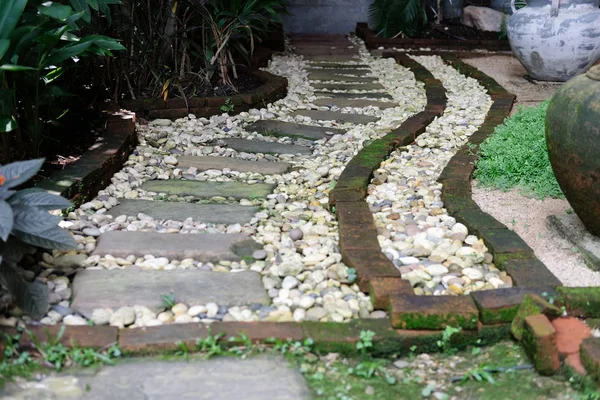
166	316
378	314
183	319
296	234
195	310
473	274
289	282
211	310
95	232
123	317
436	269
179	308
306	302
259	255
74	320
316	313
401	364
101	316
369	390
170	160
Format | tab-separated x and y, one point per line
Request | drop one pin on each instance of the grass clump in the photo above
516	155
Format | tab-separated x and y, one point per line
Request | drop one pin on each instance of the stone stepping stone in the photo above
205	163
335	116
353	103
115	288
259	146
331	58
289	129
214	213
223	378
328	76
366	95
337	71
329	65
204	247
348	86
207	189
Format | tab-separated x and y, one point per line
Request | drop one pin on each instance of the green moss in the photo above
583	301
532	305
504	314
437	321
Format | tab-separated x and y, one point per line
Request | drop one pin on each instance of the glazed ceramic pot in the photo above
573	138
556	40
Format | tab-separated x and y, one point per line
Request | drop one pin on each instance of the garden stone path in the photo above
119	288
254	146
335	116
341	103
223	378
202	247
337	72
209	189
178	211
348	86
334	76
289	129
346	95
205	163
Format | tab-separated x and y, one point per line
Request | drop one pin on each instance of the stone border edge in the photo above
274	87
373	42
81	180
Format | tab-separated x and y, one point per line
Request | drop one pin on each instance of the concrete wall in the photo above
325	16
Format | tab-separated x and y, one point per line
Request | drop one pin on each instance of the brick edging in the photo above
81	180
373	42
274	87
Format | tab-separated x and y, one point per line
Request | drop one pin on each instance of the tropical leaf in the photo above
6	220
53	238
20	172
31	297
8	123
390	17
39	198
10	14
55	10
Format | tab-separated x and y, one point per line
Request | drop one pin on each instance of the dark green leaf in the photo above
20	172
6	220
54	238
16	68
4	44
13	250
39	198
31	297
82	6
55	10
10	14
68	51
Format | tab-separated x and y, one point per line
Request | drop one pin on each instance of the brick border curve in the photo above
274	87
372	41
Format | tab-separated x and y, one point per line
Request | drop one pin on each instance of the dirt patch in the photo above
527	217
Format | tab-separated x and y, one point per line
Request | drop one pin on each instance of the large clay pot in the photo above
556	40
573	138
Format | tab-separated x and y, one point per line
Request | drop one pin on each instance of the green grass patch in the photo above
516	156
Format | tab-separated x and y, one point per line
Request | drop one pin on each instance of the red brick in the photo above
95	337
570	333
539	340
161	338
381	288
259	331
574	361
170	113
433	312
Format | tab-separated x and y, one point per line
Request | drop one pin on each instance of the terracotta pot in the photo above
573	138
556	40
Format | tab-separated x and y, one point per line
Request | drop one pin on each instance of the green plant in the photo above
39	41
516	155
25	223
168	300
480	374
392	18
444	344
351	275
365	342
210	345
228	106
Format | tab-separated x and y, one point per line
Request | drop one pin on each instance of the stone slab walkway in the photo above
338	71
209	189
133	286
178	211
202	247
348	86
335	116
339	66
289	129
255	146
205	163
334	76
341	103
257	378
346	95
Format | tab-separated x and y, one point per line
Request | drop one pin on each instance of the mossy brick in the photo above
347	195
456	203
153	339
257	332
355	176
477	220
491	334
169	113
196	102
590	356
539	341
368	264
433	312
176	103
96	337
143	104
581	301
457	167
528	272
502	305
356	226
381	288
532	304
505	244
460	186
206	112
342	337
